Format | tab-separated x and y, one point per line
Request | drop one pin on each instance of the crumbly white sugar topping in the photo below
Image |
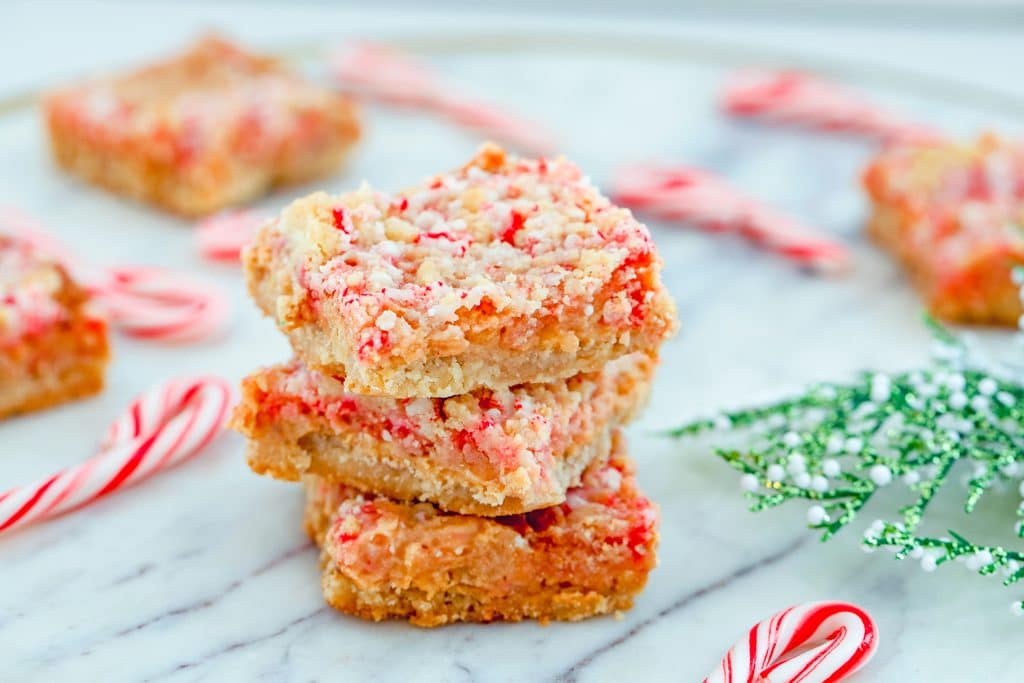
28	287
502	236
964	197
211	97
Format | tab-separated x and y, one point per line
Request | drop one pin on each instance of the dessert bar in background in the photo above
211	127
953	214
588	556
502	272
52	349
489	452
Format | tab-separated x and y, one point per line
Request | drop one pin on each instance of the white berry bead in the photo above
835	444
831	468
816	515
854	445
912	477
984	557
776	473
1006	398
956	383
917	553
1016	609
880	391
748	482
819	483
791	439
880	474
988	386
958	401
972	563
802	479
928	563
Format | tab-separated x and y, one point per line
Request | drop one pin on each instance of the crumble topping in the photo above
521	429
501	236
607	510
215	96
960	199
29	289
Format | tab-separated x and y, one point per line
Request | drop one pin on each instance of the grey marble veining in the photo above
204	574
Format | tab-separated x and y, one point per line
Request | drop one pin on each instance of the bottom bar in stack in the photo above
387	559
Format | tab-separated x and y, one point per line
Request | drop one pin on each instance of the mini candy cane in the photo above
795	98
150	303
820	641
383	74
679	193
161	428
222	237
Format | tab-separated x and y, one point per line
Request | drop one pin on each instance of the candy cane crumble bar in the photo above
502	272
953	214
383	559
211	127
52	349
489	452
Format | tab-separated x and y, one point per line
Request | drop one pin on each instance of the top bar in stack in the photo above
954	215
503	272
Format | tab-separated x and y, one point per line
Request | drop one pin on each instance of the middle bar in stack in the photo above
466	352
489	452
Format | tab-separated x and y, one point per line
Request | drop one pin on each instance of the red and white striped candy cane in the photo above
222	237
697	197
19	224
383	74
161	428
144	302
153	303
791	97
820	642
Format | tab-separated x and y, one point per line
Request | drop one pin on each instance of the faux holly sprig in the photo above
838	444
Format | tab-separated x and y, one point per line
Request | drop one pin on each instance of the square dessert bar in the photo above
51	348
211	127
588	556
953	214
490	452
502	272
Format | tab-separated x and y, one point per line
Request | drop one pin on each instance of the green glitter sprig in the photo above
839	444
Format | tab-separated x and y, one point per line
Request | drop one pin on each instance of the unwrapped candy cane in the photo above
161	428
795	98
823	642
222	236
381	73
144	302
697	197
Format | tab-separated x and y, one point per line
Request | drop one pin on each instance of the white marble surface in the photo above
203	573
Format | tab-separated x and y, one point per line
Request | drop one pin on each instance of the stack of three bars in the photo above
467	352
